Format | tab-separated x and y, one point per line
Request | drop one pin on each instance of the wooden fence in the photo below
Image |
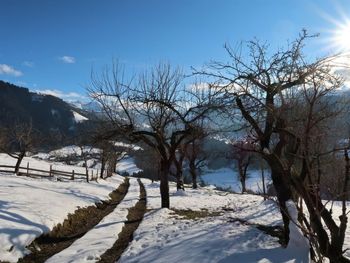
33	172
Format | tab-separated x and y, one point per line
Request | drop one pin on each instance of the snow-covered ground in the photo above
70	150
164	237
39	163
94	243
30	207
227	178
127	165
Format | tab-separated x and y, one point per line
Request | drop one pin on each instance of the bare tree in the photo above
110	152
265	88
147	160
83	151
156	110
241	152
178	167
109	155
17	140
191	149
195	153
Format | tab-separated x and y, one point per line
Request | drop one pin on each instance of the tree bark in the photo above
19	161
283	191
330	248
242	177
193	173
263	179
103	166
179	173
179	181
164	183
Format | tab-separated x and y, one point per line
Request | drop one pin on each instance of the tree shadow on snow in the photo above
13	233
273	255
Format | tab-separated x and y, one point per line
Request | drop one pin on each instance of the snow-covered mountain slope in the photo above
78	117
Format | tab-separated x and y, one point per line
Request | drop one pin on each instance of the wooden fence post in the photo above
50	174
73	175
27	168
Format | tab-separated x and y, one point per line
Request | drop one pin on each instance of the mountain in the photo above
49	115
90	106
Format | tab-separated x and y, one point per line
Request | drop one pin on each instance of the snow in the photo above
228	233
36	163
127	165
54	112
30	207
227	178
164	237
70	150
204	240
37	97
128	146
78	117
94	243
297	242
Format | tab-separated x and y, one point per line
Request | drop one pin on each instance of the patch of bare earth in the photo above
195	215
74	227
134	219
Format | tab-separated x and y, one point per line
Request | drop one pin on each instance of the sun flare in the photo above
341	36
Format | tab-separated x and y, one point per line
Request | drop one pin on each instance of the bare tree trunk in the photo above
111	165
164	183
86	165
179	173
179	180
193	173
242	178
19	161
103	167
283	193
263	179
330	248
87	172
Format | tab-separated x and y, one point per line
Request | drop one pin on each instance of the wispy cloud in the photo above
67	59
8	70
68	96
29	64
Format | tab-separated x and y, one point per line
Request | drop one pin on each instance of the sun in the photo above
340	38
336	33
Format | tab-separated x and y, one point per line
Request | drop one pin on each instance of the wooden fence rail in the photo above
34	172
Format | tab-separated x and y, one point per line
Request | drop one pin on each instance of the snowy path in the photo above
94	243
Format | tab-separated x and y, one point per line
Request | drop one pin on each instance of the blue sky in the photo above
53	45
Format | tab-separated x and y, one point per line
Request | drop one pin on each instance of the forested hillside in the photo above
49	115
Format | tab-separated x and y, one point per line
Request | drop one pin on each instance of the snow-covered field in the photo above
94	243
30	207
127	165
227	178
41	163
163	237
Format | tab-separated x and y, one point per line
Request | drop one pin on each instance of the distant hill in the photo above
50	115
